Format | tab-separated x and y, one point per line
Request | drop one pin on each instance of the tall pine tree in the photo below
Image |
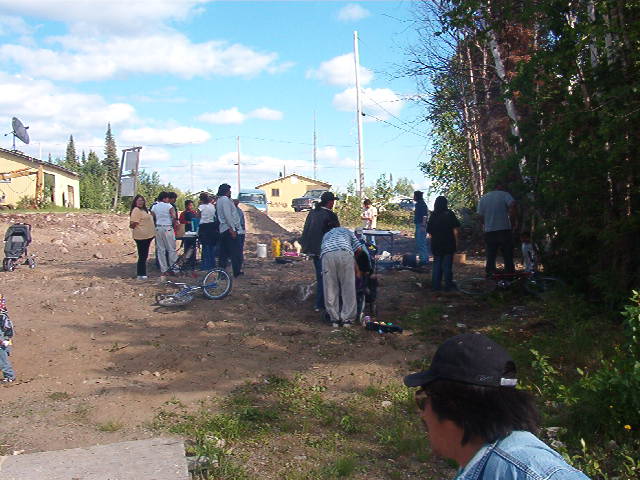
71	158
111	160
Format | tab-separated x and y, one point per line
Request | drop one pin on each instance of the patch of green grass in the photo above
343	467
424	321
81	412
110	426
308	414
59	396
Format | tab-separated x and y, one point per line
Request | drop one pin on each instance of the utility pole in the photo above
238	148
356	57
315	148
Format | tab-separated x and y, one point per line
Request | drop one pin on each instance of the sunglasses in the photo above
421	397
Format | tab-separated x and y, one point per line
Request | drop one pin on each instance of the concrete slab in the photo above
153	459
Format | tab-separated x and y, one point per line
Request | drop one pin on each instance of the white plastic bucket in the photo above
261	251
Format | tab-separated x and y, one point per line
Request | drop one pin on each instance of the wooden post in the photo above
39	186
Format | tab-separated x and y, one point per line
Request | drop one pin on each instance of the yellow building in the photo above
18	178
282	190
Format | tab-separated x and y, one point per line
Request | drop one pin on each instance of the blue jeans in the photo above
422	243
442	265
208	260
5	364
317	263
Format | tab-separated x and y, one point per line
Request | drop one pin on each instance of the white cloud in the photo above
255	169
164	136
340	71
265	113
91	58
233	116
352	12
151	156
378	102
329	156
104	15
10	25
230	116
57	111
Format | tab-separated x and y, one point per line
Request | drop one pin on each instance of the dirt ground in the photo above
96	359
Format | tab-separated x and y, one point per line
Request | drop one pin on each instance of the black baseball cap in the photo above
327	197
468	358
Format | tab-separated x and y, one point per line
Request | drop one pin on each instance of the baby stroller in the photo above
16	240
367	283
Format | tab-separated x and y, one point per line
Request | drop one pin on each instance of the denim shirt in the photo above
519	456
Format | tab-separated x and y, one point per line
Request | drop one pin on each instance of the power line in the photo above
396	126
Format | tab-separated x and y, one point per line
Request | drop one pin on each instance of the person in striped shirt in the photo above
338	274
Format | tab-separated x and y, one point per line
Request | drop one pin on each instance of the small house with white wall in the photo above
19	179
281	191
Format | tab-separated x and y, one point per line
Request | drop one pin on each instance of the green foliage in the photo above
448	165
71	158
572	76
611	390
111	159
404	187
95	190
596	405
349	207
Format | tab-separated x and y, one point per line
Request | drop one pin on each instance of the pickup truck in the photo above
307	201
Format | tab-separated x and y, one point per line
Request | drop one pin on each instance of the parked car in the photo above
254	197
406	204
307	201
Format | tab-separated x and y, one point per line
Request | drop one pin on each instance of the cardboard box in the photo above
459	258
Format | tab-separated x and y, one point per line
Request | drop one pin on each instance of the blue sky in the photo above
183	78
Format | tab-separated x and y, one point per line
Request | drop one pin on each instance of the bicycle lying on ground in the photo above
532	282
215	285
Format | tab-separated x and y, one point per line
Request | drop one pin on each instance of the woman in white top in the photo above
208	231
166	218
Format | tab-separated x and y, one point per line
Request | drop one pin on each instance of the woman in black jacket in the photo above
443	228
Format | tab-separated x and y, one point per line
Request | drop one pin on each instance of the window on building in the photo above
275	192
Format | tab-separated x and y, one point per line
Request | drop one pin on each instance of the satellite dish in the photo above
18	130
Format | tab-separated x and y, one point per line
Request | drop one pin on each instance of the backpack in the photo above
6	326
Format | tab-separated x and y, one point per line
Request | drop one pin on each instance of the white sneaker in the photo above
142	277
335	325
346	325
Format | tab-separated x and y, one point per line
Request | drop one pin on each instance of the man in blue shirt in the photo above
420	216
474	414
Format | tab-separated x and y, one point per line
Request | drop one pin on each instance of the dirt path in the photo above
96	358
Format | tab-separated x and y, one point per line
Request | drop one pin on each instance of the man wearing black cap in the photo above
319	221
474	414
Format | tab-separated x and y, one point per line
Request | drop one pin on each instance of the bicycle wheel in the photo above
477	286
216	284
542	286
172	299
